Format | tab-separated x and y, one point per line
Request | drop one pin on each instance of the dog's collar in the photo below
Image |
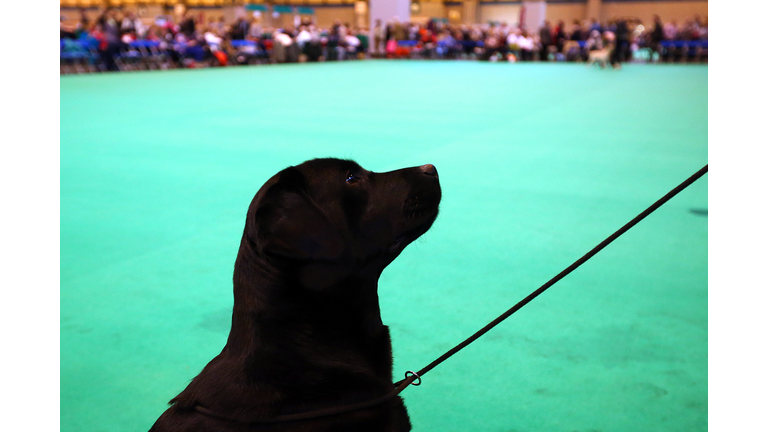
309	415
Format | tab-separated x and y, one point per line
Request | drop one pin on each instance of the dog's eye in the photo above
351	179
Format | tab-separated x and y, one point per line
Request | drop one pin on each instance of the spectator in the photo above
512	42
595	26
492	45
594	42
187	25
363	35
154	33
432	26
334	41
109	45
128	37
670	30
240	29
657	35
83	25
303	37
621	50
447	46
399	30
313	48
212	39
254	29
577	34
132	24
379	37
220	26
211	26
504	29
689	32
281	44
352	44
609	42
545	39
413	31
560	36
525	41
65	31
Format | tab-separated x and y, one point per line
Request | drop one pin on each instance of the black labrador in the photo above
306	333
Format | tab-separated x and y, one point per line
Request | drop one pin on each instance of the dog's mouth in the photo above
410	235
417	206
419	215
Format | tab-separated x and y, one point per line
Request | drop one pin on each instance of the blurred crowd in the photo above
620	36
119	40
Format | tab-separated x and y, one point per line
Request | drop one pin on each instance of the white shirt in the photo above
303	37
526	43
212	40
353	41
284	39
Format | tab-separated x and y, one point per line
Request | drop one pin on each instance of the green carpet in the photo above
538	163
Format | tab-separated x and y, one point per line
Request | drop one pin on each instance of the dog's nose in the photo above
429	169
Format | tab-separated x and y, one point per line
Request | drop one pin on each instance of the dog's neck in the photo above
272	311
352	304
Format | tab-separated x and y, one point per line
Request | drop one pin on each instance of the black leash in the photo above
562	274
415	377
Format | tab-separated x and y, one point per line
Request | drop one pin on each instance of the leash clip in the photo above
417	382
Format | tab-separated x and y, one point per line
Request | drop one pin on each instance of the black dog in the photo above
306	331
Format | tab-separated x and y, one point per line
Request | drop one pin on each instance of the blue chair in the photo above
468	46
444	47
249	52
149	53
684	50
80	55
91	45
669	50
242	43
195	52
128	57
700	50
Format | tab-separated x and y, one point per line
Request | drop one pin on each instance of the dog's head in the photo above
328	219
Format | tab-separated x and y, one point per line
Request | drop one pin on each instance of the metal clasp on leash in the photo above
416	382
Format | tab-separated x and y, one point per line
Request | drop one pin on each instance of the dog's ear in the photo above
290	225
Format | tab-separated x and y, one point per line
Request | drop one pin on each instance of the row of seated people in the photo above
527	48
119	40
88	52
109	44
485	41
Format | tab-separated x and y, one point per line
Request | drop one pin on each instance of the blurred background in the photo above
551	124
98	35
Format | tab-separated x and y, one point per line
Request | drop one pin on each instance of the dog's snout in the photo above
429	169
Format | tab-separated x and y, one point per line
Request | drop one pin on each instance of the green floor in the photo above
538	163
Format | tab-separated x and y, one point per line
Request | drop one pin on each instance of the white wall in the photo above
503	12
535	15
385	10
